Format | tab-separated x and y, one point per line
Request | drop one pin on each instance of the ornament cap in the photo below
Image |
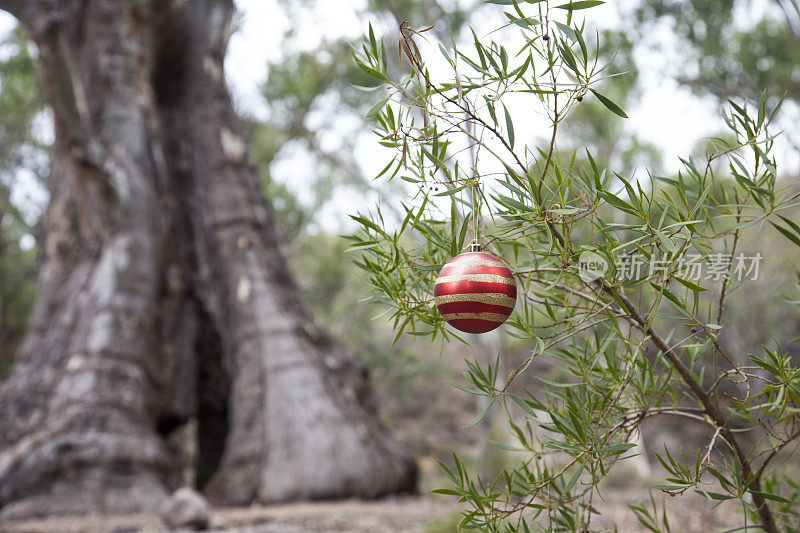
475	246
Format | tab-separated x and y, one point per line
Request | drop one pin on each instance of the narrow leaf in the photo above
580	4
614	108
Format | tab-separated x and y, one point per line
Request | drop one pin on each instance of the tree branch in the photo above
750	478
775	451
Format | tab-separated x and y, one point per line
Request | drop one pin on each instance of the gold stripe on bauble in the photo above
490	317
492	298
475	261
485	278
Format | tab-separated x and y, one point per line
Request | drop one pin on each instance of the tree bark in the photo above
163	293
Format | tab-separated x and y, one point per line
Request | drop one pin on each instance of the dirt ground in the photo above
406	515
396	515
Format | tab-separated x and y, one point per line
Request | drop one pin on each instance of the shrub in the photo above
607	270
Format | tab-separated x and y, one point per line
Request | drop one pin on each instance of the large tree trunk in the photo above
163	293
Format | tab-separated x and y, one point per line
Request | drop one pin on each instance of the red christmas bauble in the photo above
475	292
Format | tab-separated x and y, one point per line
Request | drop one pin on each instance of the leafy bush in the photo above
624	281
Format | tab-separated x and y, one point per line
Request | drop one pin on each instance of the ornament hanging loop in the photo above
475	246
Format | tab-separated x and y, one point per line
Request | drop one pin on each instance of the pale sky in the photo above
666	114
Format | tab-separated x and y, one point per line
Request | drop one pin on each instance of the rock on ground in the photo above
186	509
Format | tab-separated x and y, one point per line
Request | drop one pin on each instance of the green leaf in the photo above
447	471
763	363
450	192
715	495
566	30
666	487
690	285
618	202
447	491
374	110
791	223
481	416
580	4
786	233
574	478
614	108
769	496
526	406
618	448
670	295
401	329
366	89
666	241
509	126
